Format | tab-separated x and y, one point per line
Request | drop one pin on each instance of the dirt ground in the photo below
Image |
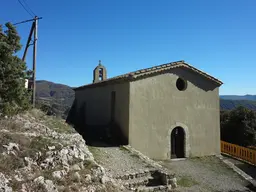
208	174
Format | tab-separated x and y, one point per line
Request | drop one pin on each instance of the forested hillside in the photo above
232	104
54	98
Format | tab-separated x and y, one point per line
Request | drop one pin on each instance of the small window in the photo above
181	84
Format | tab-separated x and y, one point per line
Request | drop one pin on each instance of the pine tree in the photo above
14	97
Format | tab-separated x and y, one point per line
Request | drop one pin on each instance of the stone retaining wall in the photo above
167	178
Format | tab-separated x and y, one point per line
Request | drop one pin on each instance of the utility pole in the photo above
34	60
34	29
30	35
28	42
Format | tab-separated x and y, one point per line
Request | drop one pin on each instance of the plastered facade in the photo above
157	107
98	105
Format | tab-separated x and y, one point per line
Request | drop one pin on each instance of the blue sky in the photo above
217	37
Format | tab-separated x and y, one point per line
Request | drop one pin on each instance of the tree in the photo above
239	126
14	97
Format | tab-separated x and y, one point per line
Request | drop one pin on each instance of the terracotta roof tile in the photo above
152	70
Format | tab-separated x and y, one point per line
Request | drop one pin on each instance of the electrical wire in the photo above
25	9
29	8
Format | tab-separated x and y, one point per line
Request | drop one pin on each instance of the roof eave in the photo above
204	74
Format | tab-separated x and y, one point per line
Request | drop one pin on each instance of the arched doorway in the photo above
177	143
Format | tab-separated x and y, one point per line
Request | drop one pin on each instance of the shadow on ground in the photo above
250	187
245	167
248	169
101	136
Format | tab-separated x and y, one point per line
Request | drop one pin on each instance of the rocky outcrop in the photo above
40	153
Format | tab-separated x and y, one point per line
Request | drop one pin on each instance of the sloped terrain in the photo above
41	153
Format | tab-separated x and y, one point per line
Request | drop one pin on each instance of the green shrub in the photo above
14	97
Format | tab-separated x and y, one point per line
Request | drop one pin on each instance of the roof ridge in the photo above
154	69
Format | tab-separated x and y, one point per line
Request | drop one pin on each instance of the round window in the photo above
181	84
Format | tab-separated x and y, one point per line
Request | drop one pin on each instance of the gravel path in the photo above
118	161
207	174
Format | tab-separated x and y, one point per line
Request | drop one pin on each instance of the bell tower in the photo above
99	73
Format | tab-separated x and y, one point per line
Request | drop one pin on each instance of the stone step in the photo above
146	180
153	188
136	182
128	176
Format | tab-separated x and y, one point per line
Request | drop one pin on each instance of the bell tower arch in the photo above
99	73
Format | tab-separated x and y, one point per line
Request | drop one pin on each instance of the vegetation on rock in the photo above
46	155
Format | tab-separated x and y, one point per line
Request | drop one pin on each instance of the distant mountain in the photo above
231	104
58	92
228	102
239	97
60	97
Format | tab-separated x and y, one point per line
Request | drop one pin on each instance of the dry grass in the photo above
58	125
55	123
41	143
28	147
70	182
12	126
36	114
10	163
72	188
90	164
186	181
95	151
6	138
16	185
36	187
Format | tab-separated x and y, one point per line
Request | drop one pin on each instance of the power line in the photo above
25	9
29	7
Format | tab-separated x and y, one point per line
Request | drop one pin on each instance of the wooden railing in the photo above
246	154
